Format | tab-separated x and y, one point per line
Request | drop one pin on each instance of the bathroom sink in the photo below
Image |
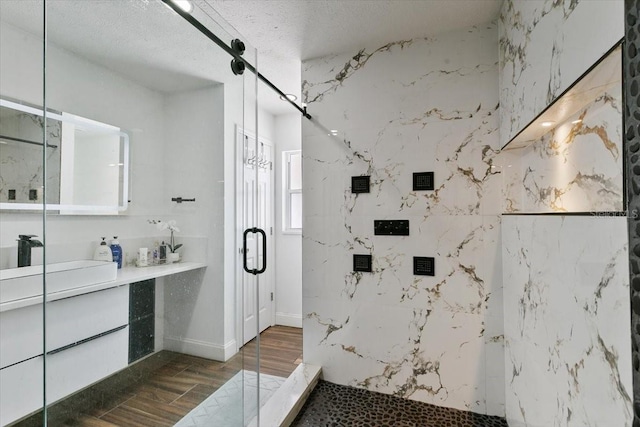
26	282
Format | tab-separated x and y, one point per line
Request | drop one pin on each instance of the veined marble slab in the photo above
576	167
567	328
545	46
419	337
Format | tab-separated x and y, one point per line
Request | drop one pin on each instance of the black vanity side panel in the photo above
142	296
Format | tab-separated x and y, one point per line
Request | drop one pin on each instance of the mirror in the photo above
87	170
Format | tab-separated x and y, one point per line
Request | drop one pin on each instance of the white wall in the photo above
78	86
194	131
288	262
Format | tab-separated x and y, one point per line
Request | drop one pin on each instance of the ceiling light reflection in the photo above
289	96
184	5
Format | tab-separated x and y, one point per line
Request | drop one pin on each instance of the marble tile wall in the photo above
577	167
566	308
566	302
545	45
388	111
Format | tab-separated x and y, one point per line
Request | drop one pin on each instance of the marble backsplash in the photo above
545	45
567	325
576	167
434	339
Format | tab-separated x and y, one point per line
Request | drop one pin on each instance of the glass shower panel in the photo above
144	108
249	163
22	180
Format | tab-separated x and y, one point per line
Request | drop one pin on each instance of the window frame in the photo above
287	191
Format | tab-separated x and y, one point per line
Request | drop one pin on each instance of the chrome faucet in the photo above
24	249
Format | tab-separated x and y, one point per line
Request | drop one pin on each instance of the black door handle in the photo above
264	250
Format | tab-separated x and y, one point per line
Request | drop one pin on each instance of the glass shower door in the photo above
22	178
141	112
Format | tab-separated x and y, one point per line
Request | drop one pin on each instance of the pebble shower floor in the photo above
332	405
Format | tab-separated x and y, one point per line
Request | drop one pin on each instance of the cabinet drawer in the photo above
75	368
20	390
68	321
67	371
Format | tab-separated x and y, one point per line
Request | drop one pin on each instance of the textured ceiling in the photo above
288	31
315	28
150	44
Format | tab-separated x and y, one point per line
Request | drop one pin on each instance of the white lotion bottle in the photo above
103	252
143	259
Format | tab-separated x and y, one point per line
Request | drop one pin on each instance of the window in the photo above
292	191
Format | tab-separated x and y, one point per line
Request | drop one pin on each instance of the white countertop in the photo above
126	275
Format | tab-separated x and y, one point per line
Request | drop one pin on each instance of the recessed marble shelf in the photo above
604	75
594	213
569	159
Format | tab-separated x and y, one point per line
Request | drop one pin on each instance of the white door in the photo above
257	304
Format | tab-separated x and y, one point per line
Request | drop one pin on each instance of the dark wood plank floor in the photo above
174	389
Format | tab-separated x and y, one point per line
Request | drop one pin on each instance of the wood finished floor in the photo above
179	386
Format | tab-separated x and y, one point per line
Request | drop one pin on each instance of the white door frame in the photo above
239	185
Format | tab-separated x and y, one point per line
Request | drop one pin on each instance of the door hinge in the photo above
271	231
271	296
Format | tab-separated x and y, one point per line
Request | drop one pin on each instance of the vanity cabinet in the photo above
91	334
87	339
69	321
67	371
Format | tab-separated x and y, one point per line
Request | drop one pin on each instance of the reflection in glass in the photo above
87	162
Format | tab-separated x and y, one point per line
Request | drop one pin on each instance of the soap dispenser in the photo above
116	249
103	252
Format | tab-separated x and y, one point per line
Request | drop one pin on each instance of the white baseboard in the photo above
200	348
288	319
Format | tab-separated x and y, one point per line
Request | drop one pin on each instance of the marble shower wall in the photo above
568	359
545	45
577	167
388	111
566	299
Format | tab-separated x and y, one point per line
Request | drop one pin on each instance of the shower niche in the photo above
569	159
